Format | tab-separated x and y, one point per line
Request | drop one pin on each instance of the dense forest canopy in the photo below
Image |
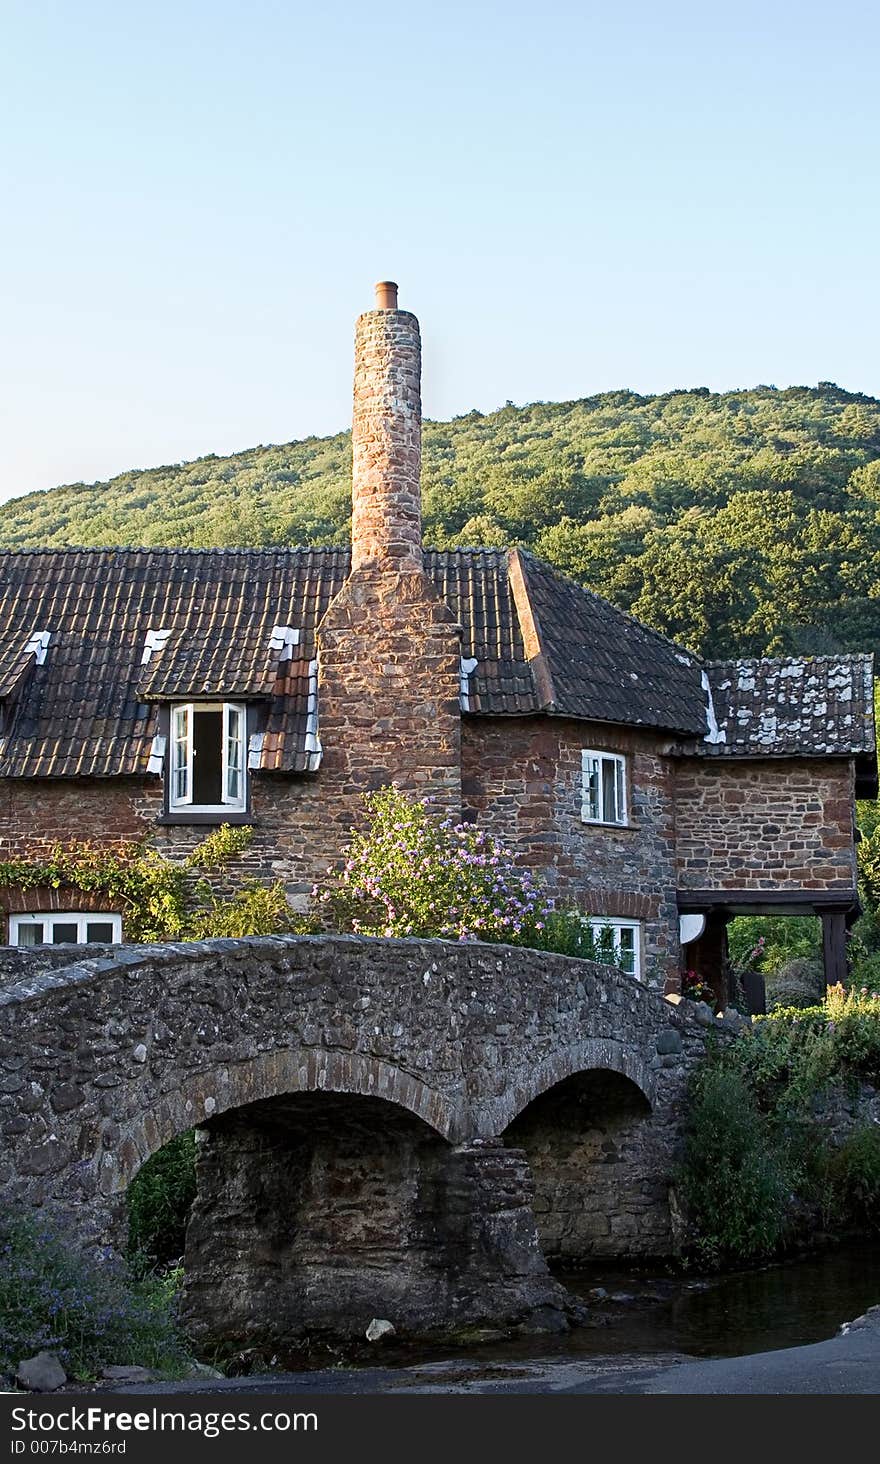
741	523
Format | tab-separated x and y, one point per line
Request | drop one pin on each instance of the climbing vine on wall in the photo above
158	898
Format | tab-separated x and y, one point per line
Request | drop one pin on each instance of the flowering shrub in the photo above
695	989
91	1313
409	873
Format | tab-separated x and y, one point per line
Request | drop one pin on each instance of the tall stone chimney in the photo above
389	647
386	522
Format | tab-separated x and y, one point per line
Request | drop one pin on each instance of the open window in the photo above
603	787
207	771
69	927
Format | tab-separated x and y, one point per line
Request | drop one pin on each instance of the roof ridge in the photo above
262	549
787	660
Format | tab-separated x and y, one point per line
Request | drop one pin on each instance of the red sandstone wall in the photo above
521	777
779	824
388	692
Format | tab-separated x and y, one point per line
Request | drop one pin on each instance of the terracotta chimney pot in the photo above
386	295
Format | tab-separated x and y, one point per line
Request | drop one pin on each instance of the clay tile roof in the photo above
813	705
542	645
603	665
15	661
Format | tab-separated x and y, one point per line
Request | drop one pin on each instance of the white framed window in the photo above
603	787
65	927
208	767
619	942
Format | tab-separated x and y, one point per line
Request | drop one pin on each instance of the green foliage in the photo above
221	846
91	1313
159	1200
766	942
149	889
254	909
157	897
795	1053
411	872
743	522
855	1177
758	1161
734	1181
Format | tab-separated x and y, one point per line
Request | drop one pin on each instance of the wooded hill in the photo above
741	523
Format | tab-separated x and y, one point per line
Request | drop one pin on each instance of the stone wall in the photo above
601	1163
389	654
521	777
316	1213
293	838
774	825
386	434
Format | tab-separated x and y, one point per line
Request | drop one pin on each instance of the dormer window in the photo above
603	787
207	767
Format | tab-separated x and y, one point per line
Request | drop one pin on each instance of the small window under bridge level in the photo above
69	927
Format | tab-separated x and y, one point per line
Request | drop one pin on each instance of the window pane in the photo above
101	930
65	932
31	934
590	787
627	945
606	946
234	754
609	790
619	791
180	739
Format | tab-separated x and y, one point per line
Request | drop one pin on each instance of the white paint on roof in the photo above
715	733
154	644
467	667
38	645
312	741
283	639
157	755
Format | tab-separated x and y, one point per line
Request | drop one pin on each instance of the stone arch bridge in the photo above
389	1128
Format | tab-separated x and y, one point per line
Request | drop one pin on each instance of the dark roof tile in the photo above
541	643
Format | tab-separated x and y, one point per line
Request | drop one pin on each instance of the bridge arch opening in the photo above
599	1161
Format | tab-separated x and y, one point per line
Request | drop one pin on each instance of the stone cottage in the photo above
152	693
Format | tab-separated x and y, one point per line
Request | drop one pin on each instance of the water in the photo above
760	1310
659	1313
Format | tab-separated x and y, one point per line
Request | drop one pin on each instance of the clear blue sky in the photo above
573	196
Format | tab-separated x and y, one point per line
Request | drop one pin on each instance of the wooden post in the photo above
834	946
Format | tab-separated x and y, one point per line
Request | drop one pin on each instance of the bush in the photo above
159	1200
409	873
733	1181
91	1313
255	909
796	983
855	1170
